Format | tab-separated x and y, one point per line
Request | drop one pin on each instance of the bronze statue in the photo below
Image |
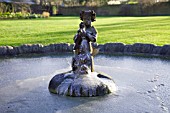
82	80
85	35
86	30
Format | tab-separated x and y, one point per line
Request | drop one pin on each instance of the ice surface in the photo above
143	85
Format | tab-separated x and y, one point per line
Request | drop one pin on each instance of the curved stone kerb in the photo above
144	49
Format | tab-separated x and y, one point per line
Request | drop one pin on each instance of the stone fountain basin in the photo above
143	85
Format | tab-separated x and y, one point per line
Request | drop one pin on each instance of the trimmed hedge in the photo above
19	15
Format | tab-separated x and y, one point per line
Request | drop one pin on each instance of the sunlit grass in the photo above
128	30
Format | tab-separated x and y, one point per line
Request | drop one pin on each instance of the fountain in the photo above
82	80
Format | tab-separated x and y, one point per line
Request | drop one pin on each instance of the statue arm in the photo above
92	36
74	38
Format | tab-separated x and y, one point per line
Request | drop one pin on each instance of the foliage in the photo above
96	2
128	30
46	14
54	10
147	2
14	7
2	7
132	2
19	15
73	2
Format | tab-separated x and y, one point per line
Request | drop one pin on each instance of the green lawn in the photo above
128	30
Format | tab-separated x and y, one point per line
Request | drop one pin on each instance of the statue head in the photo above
87	17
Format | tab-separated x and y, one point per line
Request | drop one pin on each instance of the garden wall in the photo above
121	10
103	10
108	48
162	8
157	9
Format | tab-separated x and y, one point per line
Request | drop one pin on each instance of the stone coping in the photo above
108	48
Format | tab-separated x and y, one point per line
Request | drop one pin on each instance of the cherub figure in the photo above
85	35
86	31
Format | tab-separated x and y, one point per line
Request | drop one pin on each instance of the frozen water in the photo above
143	85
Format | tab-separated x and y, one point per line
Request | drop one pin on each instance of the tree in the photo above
94	2
146	2
143	4
84	2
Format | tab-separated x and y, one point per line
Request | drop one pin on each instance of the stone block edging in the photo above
108	48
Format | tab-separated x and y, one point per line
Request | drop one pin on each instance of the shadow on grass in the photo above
52	34
131	24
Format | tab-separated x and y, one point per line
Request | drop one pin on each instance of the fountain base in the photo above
82	85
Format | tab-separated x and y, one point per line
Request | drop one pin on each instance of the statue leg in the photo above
92	64
77	51
72	64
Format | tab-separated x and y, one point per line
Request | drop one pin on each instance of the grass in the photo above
128	30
